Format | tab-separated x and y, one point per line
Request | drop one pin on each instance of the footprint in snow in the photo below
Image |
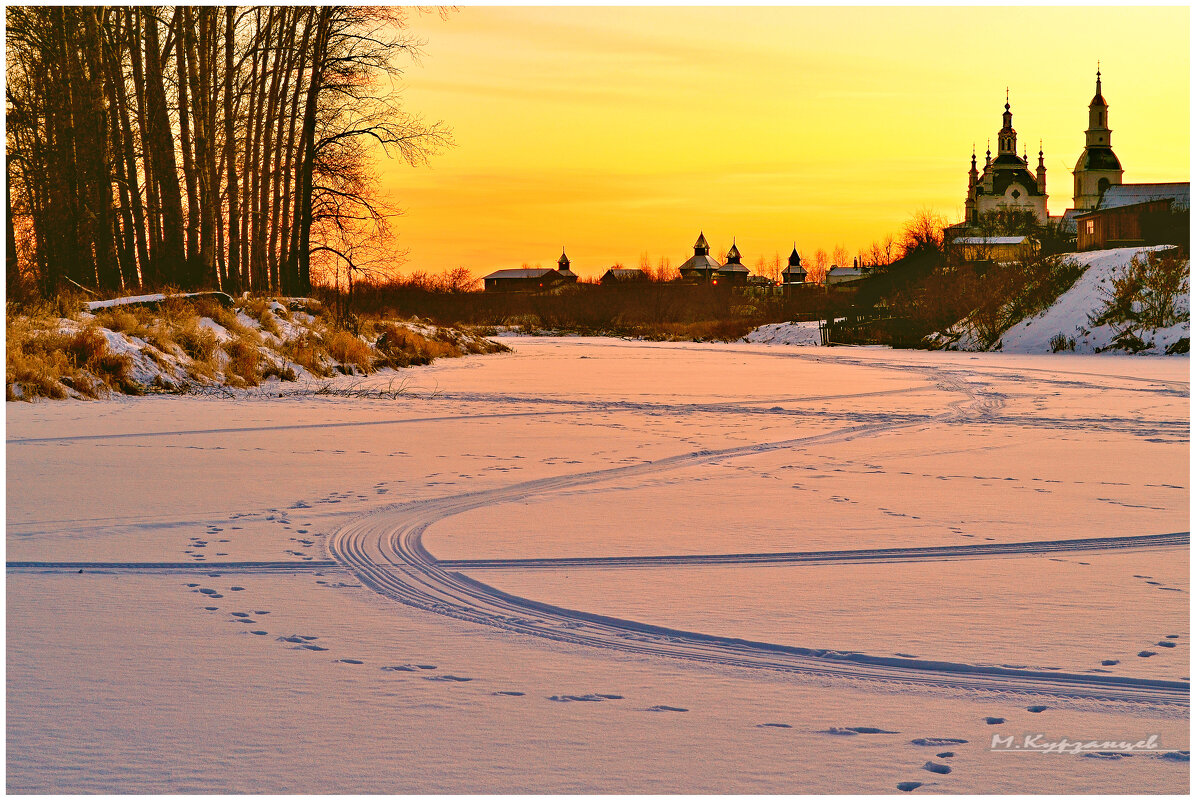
351	661
447	677
945	755
211	608
906	787
1165	644
1110	662
937	767
1145	654
994	721
239	614
663	708
939	741
586	697
773	726
311	647
512	693
854	730
1036	709
259	633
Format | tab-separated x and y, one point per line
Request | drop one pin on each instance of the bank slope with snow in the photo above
805	333
1069	326
1068	320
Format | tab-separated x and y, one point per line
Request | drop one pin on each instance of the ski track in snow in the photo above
283	566
384	550
933	554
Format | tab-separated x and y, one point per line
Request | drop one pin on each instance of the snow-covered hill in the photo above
1068	324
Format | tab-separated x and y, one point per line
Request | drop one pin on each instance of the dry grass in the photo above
308	352
706	331
244	364
43	362
399	346
349	351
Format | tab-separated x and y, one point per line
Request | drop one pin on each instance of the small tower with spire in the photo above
973	178
1041	170
700	266
1007	137
562	267
793	273
1098	167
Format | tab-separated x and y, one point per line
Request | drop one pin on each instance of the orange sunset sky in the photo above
618	132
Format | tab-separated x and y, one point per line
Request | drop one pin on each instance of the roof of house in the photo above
518	273
793	269
1130	194
732	267
702	262
990	240
625	274
845	272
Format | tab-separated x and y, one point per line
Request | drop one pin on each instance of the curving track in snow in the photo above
385	551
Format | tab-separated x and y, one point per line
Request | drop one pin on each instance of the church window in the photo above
1016	194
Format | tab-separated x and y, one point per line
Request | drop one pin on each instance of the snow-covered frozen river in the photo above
604	566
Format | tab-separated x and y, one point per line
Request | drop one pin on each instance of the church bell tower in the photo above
1098	167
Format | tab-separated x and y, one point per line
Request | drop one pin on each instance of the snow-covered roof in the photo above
518	273
793	269
625	273
990	240
845	271
1130	194
702	262
732	267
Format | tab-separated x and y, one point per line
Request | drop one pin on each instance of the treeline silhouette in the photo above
202	146
655	309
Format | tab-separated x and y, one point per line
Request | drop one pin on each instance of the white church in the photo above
1007	182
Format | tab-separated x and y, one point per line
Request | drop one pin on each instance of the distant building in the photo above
1132	214
733	273
1128	213
535	279
793	273
845	275
523	280
700	267
1006	182
623	275
994	248
562	267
